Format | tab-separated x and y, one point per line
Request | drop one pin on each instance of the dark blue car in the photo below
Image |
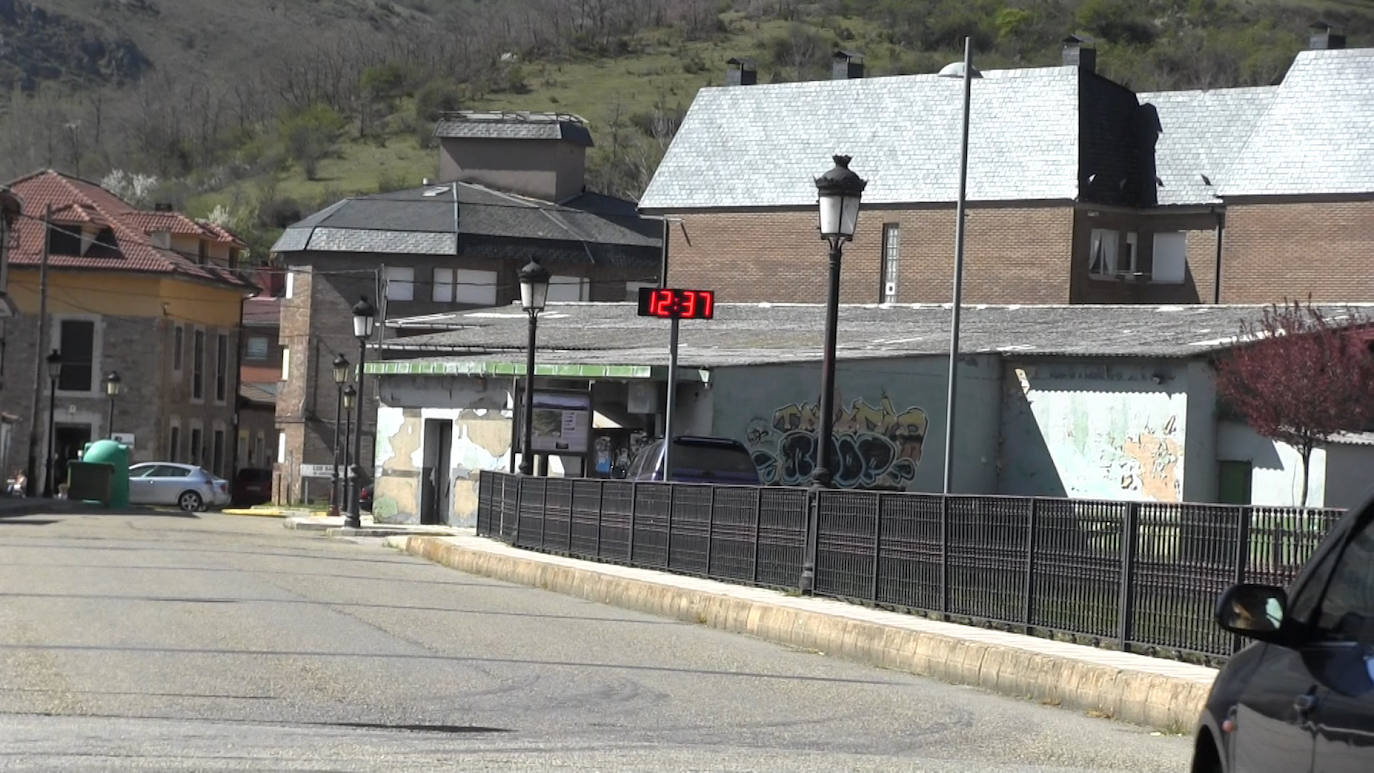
697	459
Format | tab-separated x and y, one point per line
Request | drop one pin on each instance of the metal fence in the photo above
1142	575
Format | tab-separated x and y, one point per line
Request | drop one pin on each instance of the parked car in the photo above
187	486
697	459
252	486
1300	697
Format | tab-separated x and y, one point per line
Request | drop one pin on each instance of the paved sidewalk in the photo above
1164	694
333	526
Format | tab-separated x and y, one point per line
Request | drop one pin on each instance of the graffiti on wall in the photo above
874	447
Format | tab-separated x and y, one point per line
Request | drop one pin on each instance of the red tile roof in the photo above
133	249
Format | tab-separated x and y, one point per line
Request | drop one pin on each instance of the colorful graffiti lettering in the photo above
874	447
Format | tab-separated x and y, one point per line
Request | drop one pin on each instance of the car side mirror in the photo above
1252	610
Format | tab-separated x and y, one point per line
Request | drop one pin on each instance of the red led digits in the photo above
669	303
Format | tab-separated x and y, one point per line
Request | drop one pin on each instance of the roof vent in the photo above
1079	52
1323	38
740	71
845	65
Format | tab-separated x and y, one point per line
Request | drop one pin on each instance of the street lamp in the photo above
340	377
534	292
364	316
967	73
112	385
838	191
54	363
348	394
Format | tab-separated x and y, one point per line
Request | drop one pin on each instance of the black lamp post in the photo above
348	394
340	377
112	385
54	363
839	191
534	292
364	316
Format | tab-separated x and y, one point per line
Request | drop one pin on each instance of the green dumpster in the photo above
102	475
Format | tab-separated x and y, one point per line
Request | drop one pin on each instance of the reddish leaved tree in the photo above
1300	377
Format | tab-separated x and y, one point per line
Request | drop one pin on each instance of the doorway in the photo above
68	442
1234	481
436	474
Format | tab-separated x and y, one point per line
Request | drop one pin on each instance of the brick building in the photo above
153	295
511	190
1079	190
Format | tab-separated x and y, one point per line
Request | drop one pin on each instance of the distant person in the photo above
19	484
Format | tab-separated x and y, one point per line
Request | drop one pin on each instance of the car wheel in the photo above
190	501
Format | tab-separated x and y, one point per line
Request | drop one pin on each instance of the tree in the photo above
1300	377
310	134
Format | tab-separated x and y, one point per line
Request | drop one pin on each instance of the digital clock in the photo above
669	303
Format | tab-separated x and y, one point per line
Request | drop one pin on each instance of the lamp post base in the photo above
353	521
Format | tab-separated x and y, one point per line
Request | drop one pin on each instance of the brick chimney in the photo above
846	64
541	155
740	71
1079	52
1322	37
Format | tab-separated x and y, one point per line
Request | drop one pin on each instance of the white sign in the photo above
321	471
562	422
127	438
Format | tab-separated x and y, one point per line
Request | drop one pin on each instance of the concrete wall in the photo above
1348	483
890	423
1095	429
1276	474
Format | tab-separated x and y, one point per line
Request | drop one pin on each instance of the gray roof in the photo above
764	145
420	221
745	334
1202	132
514	126
1318	135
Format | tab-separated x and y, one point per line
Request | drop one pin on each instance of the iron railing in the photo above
1142	576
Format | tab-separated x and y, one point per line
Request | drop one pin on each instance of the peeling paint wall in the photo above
1099	430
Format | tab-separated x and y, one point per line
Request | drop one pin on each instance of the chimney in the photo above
846	64
1322	38
740	71
1079	52
542	155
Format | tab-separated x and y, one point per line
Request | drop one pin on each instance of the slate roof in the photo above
764	145
1203	131
1318	135
420	221
468	124
132	250
750	334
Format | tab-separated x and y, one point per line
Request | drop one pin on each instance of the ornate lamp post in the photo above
54	363
364	317
534	292
340	378
839	191
349	393
112	386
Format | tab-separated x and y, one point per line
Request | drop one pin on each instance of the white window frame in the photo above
1119	253
891	257
400	283
281	447
285	363
290	291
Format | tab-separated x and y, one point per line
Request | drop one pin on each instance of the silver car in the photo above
187	486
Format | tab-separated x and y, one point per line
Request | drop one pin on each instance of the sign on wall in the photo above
562	422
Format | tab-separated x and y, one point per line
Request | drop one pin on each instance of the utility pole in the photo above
40	351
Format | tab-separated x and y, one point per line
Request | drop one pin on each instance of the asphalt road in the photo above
220	642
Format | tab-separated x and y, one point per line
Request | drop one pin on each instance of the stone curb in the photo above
1167	703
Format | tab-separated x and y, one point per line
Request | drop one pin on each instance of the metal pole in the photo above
354	518
958	274
48	488
39	365
345	488
109	425
825	439
335	493
672	400
527	418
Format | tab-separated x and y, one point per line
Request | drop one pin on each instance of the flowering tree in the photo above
1300	377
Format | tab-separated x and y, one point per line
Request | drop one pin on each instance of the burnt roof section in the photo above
513	125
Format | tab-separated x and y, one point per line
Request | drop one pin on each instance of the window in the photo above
892	241
202	250
1170	257
198	366
464	285
1347	609
217	453
285	363
281	446
290	283
221	367
64	240
195	450
256	348
569	288
76	341
400	283
443	290
1112	253
174	443
178	347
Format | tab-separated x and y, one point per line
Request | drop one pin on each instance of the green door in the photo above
1233	484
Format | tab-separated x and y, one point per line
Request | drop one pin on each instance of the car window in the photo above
1347	607
641	464
168	471
138	471
717	458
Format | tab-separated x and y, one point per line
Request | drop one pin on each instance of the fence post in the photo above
668	546
1028	612
1243	518
944	554
519	492
572	499
600	504
710	527
634	505
807	583
758	515
877	542
1128	541
543	515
